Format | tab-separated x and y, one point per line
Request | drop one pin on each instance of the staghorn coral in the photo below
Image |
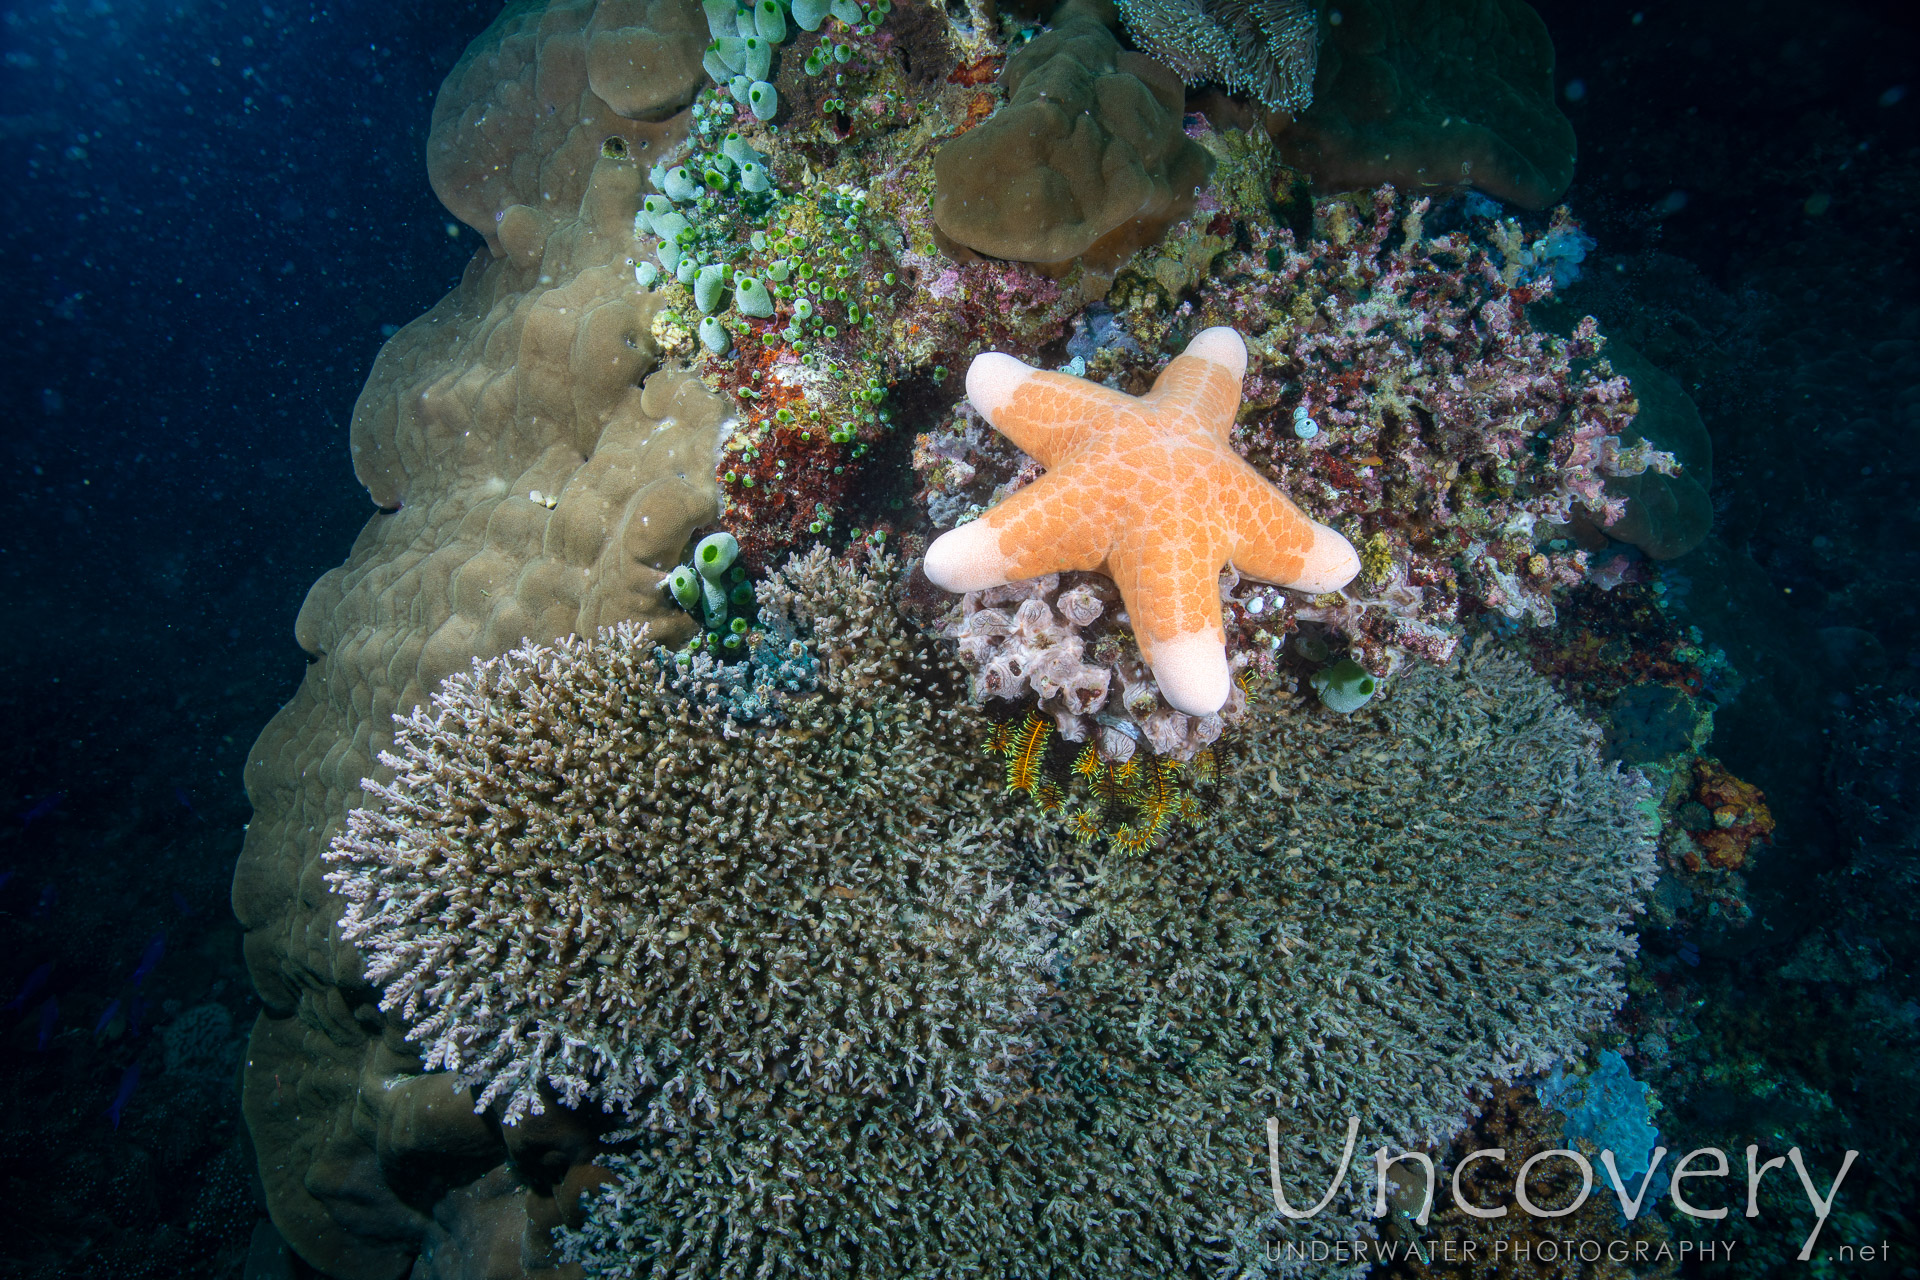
1268	49
583	879
1086	159
1344	932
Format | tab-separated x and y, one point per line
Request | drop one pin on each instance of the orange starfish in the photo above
1149	491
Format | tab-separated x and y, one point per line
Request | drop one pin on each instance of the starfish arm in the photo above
1172	594
1275	541
1200	388
1042	529
1048	415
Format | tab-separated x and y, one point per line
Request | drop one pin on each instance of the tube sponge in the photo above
714	336
763	100
753	177
735	148
678	184
1346	686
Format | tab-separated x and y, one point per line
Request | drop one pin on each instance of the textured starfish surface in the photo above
1149	491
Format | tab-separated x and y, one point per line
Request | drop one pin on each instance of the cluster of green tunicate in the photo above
745	38
714	589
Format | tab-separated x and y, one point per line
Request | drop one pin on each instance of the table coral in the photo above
591	881
1149	492
1317	946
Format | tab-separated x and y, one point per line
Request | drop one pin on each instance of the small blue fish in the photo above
129	1081
1690	955
41	808
49	1015
107	1015
150	958
28	989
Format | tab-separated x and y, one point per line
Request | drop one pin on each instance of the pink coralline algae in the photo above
1398	392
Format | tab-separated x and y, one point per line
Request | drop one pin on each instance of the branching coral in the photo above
588	877
1344	933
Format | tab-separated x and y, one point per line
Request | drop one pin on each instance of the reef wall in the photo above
534	481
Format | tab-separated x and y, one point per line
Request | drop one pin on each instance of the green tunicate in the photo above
802	309
738	151
646	275
684	583
770	20
738	626
1346	686
848	12
715	554
714	597
753	177
679	184
715	180
732	51
714	336
733	643
715	66
764	100
720	21
809	13
759	241
669	254
750	297
687	270
670	224
744	23
779	270
707	286
843	53
759	59
740	87
816	60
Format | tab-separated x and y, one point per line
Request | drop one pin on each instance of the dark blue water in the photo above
212	214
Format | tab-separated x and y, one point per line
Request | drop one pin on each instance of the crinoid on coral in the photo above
588	876
1384	911
1265	48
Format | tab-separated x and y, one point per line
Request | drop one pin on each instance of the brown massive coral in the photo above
1422	94
1087	158
535	481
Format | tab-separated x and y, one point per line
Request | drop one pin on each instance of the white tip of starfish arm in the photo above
992	379
1331	562
1218	345
1192	672
966	559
